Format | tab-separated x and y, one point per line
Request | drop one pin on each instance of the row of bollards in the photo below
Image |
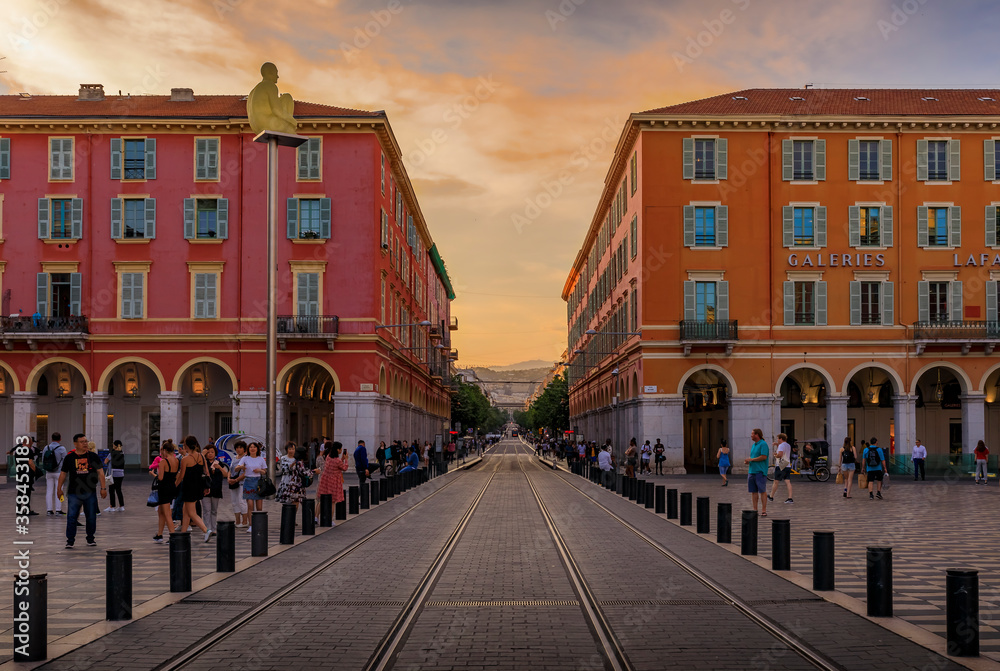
30	632
961	586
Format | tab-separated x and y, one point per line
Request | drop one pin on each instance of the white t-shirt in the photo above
604	460
582	449
646	451
250	463
783	455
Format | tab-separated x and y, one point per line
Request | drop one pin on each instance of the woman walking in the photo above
847	465
253	466
192	484
982	453
218	472
284	464
332	482
166	475
722	456
236	476
116	460
630	460
297	475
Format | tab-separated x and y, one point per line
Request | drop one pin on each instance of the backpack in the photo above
873	460
49	461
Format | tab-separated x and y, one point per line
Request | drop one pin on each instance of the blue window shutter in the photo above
116	218
788	226
954	160
855	303
222	218
853	160
5	158
991	302
922	233
922	172
189	218
722	300
689	226
75	293
150	218
43	218
787	161
885	233
821	304
690	312
77	218
989	161
788	290
722	226
116	158
150	167
293	217
854	224
955	226
324	218
42	294
923	301
821	226
819	159
956	301
721	157
885	165
687	154
887	307
991	225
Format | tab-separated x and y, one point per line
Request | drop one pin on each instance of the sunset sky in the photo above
523	90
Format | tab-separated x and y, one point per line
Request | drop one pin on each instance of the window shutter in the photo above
77	218
116	218
921	160
126	296
853	160
689	226
788	226
199	295
989	161
687	154
75	293
150	167
222	218
722	225
137	281
293	218
5	158
189	218
991	302
821	304
67	158
315	157
690	312
887	306
210	295
150	218
303	156
635	236
116	158
213	158
956	301
55	159
922	234
885	164
855	303
819	158
885	233
314	293
821	226
787	161
42	294
955	226
923	301
854	224
201	158
991	225
954	160
324	218
721	156
302	291
789	296
43	218
722	301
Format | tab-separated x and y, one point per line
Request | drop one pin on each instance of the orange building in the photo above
818	262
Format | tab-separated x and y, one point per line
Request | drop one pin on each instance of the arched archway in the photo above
803	391
871	392
133	387
706	393
309	387
939	388
206	386
61	385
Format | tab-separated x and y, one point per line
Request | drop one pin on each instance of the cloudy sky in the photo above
522	90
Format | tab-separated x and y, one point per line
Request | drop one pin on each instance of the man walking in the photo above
918	456
604	463
658	451
52	461
361	462
874	460
83	469
757	470
782	467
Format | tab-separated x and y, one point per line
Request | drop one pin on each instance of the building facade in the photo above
822	263
133	275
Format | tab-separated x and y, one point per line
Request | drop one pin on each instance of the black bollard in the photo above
686	509
180	561
962	611
364	492
748	533
671	504
424	475
353	499
225	547
309	517
781	545
879	574
640	492
823	561
340	510
704	524
384	491
397	485
661	499
373	489
650	488
624	489
287	534
31	625
258	535
724	523
118	585
326	510
388	488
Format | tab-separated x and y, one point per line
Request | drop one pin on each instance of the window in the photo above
635	236
310	159
704	296
991	160
804	231
805	302
206	158
938	160
383	173
385	231
871	303
939	226
205	295
869	155
382	300
131	295
206	218
133	218
940	301
704	226
805	309
60	159
871	307
58	295
307	295
803	226
4	158
992	221
133	158
869	226
60	218
803	160
634	298
869	160
634	171
703	158
308	218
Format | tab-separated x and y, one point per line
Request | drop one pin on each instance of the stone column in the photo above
356	417
663	418
96	405
171	416
836	427
747	413
25	414
250	412
973	420
904	423
281	422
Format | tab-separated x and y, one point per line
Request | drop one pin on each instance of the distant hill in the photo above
534	363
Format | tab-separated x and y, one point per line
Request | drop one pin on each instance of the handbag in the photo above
862	481
885	481
265	487
154	498
840	477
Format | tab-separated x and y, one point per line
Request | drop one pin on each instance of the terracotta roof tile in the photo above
844	102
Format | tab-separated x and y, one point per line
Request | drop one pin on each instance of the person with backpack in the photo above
116	460
52	461
874	460
659	456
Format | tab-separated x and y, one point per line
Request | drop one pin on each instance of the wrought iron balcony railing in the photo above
308	327
725	329
965	333
31	329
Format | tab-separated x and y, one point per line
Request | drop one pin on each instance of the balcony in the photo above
963	333
453	324
291	327
721	332
47	329
434	332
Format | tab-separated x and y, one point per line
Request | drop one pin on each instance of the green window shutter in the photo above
989	161
42	294
116	218
885	164
75	293
887	307
954	160
788	226
77	218
5	158
67	158
222	218
292	210
689	226
722	300
885	212
211	294
150	218
116	158
690	312
324	218
722	226
126	296
213	158
991	225
788	288
43	218
201	158
955	226
55	159
137	280
853	160
150	167
199	295
921	160
189	218
819	159
855	303
303	160
923	301
956	301
821	226
854	224
821	304
635	236
991	302
787	161
687	154
922	234
314	293
302	294
721	157
315	157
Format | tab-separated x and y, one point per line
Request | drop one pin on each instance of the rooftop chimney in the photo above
181	95
91	92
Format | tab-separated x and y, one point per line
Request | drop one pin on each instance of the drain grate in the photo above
499	604
664	602
349	604
778	602
237	604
